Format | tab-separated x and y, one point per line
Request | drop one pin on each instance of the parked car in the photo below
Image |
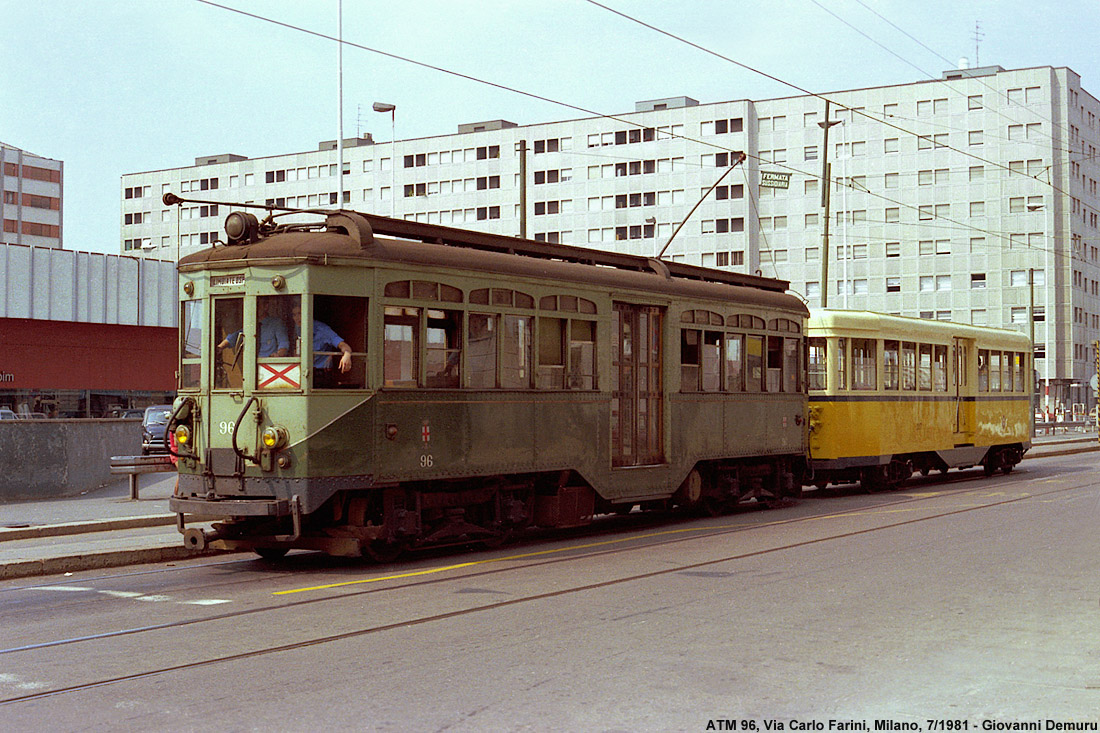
153	427
6	414
138	413
31	416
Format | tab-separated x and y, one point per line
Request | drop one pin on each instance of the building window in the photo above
977	280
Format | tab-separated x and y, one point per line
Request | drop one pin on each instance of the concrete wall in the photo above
44	459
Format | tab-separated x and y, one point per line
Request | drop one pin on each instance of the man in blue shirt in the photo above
324	339
273	337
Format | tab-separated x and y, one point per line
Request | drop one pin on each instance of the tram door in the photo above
637	420
964	390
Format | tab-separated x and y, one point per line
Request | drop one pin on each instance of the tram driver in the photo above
324	340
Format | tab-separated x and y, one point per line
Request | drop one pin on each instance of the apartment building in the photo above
32	192
970	198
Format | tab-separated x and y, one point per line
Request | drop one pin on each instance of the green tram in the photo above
357	394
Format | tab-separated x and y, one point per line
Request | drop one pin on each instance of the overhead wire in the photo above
617	118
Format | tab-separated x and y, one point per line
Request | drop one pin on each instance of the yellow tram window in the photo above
735	362
1018	370
939	368
925	373
481	355
983	370
864	366
994	371
191	344
818	366
891	364
908	366
842	363
402	346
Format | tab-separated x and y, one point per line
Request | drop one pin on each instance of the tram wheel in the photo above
383	552
271	554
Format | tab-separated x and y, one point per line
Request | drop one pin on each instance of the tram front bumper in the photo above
232	507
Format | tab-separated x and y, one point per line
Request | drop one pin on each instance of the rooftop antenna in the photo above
978	36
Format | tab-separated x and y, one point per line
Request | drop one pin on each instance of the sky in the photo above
123	86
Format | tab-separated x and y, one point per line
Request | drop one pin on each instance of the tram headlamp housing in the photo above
183	435
274	437
241	227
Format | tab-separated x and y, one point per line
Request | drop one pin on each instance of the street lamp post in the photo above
386	107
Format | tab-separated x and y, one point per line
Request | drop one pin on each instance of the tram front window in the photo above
191	344
228	339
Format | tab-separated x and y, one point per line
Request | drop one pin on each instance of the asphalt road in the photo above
968	601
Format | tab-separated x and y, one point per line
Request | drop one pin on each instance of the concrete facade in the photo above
31	202
971	198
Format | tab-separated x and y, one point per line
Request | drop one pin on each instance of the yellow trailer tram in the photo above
890	395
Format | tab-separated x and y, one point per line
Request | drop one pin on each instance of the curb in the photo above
69	528
97	561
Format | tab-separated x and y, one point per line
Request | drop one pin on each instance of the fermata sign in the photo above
774	179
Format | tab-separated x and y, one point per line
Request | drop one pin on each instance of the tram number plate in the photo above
426	461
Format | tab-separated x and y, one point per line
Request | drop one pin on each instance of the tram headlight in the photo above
183	435
274	437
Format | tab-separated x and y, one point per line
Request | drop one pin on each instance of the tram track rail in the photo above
416	578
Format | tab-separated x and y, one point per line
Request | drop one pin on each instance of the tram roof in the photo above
351	234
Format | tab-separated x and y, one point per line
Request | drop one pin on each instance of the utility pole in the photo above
521	148
826	185
1031	335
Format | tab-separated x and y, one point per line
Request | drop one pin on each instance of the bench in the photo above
134	465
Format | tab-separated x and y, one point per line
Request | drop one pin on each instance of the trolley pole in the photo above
521	148
826	185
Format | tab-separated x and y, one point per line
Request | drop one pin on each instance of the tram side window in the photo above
792	375
775	364
551	369
700	360
925	372
1018	372
939	368
891	353
842	363
908	366
517	352
818	369
337	319
401	347
994	371
443	344
1006	372
582	354
191	344
983	370
754	363
735	362
864	367
481	354
228	330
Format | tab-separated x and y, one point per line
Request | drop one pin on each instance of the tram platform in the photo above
106	528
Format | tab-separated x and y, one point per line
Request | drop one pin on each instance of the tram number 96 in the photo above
225	427
426	461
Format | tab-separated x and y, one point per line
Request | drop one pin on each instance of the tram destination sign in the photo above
774	179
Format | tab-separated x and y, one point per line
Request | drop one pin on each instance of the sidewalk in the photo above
104	528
